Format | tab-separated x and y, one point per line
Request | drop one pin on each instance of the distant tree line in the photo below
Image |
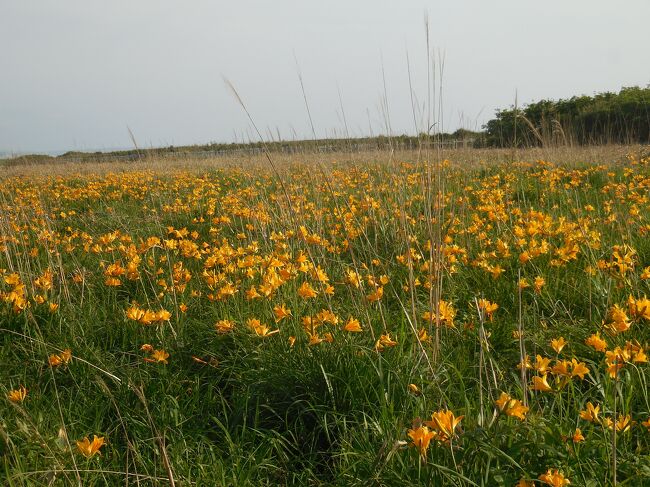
622	117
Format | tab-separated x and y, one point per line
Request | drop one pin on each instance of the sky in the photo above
81	74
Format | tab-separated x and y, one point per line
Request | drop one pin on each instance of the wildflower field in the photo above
409	320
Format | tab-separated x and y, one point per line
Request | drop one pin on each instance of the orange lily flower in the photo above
90	448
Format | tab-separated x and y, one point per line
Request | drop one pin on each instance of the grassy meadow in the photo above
470	318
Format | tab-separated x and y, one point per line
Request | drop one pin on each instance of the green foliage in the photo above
622	117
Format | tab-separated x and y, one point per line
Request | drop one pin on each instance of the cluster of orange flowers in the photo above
622	424
17	296
62	358
441	428
147	316
563	370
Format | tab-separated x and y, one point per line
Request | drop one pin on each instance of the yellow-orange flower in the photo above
525	483
281	312
306	291
511	407
224	326
158	356
578	369
90	448
554	478
444	423
446	314
353	325
542	364
619	322
423	336
384	341
261	329
162	315
420	438
353	278
147	317
646	423
615	360
590	413
578	437
525	363
487	307
541	384
414	389
63	358
134	313
597	343
375	295
639	308
314	339
561	368
17	395
558	344
624	423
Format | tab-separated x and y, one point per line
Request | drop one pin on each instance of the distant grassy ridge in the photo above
459	138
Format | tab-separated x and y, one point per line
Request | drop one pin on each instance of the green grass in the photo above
258	411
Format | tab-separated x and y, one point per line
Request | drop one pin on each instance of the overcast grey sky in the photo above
75	73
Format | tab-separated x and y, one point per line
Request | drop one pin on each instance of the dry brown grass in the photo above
471	157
